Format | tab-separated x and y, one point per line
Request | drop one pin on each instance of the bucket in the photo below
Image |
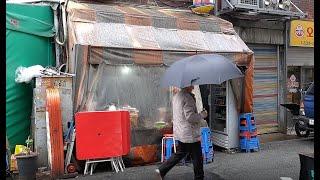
27	166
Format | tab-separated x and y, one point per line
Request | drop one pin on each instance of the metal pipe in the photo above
216	7
63	12
279	89
232	7
56	26
297	8
285	73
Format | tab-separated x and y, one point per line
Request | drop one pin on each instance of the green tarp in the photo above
29	32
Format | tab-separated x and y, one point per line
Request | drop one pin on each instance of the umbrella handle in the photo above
193	80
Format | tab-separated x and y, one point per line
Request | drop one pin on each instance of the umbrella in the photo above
200	69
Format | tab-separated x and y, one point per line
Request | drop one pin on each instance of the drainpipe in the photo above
63	12
63	5
216	7
55	6
284	90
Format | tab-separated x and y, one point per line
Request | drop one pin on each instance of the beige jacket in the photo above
186	120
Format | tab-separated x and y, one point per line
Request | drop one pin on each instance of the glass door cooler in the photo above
223	116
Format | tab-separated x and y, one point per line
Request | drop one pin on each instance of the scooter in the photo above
303	115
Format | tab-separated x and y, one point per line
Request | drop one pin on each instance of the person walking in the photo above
186	123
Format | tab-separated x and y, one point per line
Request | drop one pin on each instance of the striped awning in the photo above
118	34
136	27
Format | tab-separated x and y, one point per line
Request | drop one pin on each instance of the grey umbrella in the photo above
200	69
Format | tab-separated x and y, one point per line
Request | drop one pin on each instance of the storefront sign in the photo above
292	85
302	33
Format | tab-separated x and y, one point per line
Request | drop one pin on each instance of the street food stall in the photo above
120	51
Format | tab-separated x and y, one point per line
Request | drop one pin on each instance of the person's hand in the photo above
204	114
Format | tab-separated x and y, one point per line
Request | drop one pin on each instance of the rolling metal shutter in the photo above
265	84
300	56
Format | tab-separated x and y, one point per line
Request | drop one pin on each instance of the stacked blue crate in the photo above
169	148
206	145
248	133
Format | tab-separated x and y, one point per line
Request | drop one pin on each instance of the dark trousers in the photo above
183	149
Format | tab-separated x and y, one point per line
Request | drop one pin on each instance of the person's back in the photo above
186	122
185	117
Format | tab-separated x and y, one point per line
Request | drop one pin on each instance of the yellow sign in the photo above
302	33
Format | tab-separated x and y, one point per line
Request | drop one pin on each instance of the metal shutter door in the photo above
265	84
299	56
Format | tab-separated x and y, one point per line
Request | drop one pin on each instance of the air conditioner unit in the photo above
248	2
273	4
225	4
275	7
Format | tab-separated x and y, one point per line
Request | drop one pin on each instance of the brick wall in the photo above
307	6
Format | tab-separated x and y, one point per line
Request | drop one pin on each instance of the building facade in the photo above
300	52
265	27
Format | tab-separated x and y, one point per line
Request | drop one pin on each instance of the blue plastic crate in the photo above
205	130
249	118
251	128
206	142
208	157
205	135
246	115
207	160
249	144
207	147
169	148
210	153
207	151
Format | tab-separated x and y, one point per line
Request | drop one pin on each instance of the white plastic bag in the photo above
24	74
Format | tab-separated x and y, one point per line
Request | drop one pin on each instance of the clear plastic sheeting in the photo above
136	86
131	86
93	72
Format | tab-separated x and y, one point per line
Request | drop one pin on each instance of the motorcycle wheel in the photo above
300	132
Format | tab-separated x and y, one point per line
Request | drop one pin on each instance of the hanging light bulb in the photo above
125	70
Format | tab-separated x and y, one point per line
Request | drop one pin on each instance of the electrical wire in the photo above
174	4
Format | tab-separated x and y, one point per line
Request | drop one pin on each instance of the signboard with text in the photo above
302	33
292	85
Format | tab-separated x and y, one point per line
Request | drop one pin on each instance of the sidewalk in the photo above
275	159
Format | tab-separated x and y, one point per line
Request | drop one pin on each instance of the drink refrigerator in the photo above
223	116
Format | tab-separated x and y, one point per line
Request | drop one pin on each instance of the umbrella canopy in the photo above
200	69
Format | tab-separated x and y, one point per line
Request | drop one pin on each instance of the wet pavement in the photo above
275	159
265	138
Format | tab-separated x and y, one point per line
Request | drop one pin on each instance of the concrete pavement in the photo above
274	160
